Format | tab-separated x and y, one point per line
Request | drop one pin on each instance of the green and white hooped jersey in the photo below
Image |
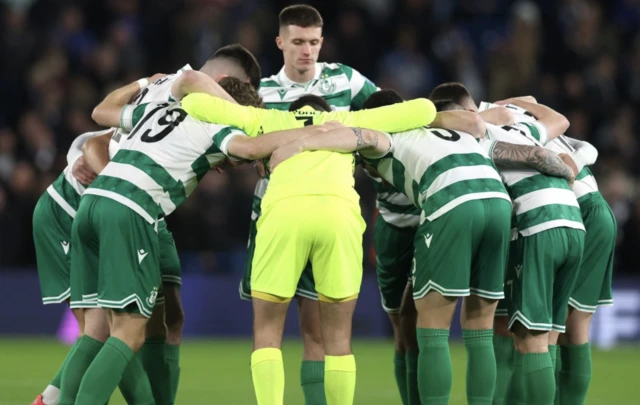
66	190
341	86
540	202
162	159
439	169
584	184
394	207
158	91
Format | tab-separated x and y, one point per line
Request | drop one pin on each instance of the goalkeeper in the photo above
311	212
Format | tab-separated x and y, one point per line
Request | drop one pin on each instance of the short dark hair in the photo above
453	91
301	15
381	98
316	102
241	91
244	59
447	105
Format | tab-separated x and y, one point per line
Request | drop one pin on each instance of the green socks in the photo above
400	371
505	356
105	372
516	391
172	360
135	385
152	356
434	366
481	366
57	379
539	378
413	392
554	353
312	381
79	360
575	376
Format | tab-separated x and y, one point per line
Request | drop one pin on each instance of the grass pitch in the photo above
216	372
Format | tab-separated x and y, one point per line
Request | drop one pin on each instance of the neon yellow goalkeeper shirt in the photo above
310	173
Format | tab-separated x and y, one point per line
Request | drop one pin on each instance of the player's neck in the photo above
297	76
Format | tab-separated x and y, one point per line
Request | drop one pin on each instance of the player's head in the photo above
233	60
447	105
300	36
242	92
316	102
381	98
455	92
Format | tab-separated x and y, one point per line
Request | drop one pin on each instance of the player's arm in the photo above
511	156
247	148
107	113
192	81
218	111
96	152
499	116
555	123
398	117
464	121
369	143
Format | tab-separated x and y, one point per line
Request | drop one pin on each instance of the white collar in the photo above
286	82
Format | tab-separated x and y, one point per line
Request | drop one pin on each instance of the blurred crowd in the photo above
58	58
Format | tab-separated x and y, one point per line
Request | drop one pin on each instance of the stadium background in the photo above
58	58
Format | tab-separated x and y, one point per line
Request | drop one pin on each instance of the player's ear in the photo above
321	41
279	42
220	77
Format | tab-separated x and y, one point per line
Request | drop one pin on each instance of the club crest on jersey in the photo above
151	299
327	86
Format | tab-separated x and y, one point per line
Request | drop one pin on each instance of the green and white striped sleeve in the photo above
131	114
361	87
535	130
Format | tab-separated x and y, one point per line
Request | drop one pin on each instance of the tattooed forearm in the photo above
365	142
511	156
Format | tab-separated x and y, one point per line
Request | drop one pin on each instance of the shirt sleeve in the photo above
585	154
218	111
130	115
75	150
488	145
397	117
535	130
222	137
361	87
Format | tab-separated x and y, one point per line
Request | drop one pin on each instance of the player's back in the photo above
160	162
158	91
313	173
540	201
439	169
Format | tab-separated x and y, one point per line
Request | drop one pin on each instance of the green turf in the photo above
217	372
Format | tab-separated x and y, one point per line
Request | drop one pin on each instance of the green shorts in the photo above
394	257
464	251
169	261
593	286
115	260
541	275
306	286
52	240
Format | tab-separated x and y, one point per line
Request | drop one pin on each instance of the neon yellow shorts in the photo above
325	230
